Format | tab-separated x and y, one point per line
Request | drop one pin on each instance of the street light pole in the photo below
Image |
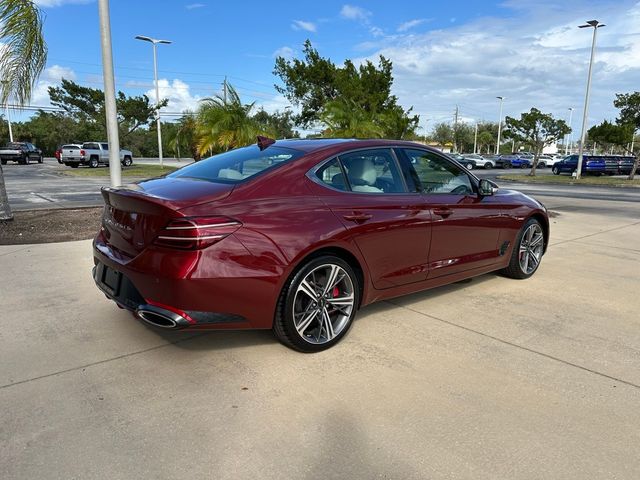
155	43
567	137
499	125
115	169
596	25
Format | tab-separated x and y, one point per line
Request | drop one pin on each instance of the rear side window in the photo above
372	171
237	165
105	146
331	174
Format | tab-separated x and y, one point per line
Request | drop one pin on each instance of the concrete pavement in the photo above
492	378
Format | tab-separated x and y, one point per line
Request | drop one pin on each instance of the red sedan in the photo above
297	235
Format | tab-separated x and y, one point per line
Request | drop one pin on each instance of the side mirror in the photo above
486	188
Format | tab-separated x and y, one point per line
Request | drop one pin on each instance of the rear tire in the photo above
506	165
317	305
555	170
488	166
469	166
527	251
40	159
93	162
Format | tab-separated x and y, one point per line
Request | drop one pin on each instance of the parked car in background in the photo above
20	152
596	165
92	154
512	160
462	160
58	154
545	161
297	235
481	162
492	160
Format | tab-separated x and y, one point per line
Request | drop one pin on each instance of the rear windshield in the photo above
71	147
237	165
15	145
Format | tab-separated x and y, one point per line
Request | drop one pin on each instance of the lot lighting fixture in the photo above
499	125
155	42
567	137
595	24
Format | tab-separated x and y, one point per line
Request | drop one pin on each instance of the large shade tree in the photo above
629	105
22	59
537	130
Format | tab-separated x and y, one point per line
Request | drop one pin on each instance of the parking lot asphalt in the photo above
489	378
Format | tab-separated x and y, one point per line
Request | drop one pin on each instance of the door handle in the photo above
357	217
442	212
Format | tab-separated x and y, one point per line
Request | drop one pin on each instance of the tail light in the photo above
194	233
82	153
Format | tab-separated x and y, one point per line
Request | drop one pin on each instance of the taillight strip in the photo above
191	239
213	225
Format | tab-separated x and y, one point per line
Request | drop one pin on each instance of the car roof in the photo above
317	144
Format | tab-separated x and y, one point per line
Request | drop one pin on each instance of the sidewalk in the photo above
493	378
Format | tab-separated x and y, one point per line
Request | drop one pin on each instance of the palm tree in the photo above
22	59
347	119
185	140
224	124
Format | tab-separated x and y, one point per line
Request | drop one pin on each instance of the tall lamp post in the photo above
567	138
155	42
499	125
596	25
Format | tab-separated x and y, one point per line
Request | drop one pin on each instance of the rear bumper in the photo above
220	287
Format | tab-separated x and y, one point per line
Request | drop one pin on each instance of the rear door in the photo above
104	153
466	227
389	225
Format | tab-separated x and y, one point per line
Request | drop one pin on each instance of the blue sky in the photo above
445	54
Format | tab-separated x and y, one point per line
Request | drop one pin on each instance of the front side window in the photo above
237	165
438	175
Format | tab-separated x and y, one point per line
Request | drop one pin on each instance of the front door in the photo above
466	227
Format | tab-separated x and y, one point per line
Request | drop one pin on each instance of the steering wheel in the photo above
460	190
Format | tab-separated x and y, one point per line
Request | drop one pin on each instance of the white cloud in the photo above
530	58
351	12
50	77
178	93
192	6
286	52
302	25
403	27
58	3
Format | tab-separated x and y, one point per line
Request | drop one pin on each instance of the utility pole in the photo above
567	137
115	169
455	130
6	107
596	25
475	140
224	89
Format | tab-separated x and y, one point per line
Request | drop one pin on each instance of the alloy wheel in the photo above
531	247
323	304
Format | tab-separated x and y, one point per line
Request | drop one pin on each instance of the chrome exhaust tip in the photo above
161	318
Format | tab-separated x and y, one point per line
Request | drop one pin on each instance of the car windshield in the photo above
237	165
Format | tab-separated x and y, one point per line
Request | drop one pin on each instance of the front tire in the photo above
527	251
469	166
488	166
317	305
555	170
126	162
40	159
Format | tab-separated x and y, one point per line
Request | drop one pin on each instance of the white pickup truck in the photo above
92	154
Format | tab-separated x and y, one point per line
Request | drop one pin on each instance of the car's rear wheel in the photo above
542	165
93	162
40	159
488	166
506	165
469	166
555	170
317	305
527	251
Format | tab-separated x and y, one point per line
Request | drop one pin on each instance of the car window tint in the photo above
237	165
331	174
372	171
438	175
105	146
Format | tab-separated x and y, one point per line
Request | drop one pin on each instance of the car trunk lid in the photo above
134	214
